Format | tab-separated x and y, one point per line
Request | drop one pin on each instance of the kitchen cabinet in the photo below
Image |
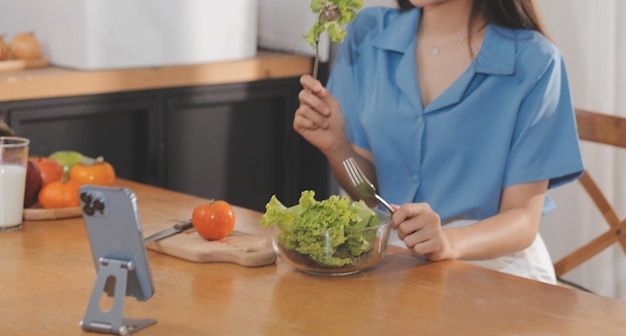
232	141
236	142
122	128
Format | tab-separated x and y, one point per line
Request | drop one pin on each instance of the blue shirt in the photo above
508	119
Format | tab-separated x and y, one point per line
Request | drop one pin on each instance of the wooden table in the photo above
47	277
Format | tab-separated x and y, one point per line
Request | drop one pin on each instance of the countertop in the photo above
48	275
53	82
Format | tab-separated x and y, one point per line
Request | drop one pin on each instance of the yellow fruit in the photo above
25	46
4	49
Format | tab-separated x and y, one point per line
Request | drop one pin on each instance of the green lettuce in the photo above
332	16
311	221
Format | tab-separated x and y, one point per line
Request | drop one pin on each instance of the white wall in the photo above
103	34
592	38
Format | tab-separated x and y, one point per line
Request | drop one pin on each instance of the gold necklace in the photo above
437	50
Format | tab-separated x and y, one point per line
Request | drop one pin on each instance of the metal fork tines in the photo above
360	182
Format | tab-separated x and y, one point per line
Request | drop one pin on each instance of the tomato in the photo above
50	169
99	173
59	194
214	220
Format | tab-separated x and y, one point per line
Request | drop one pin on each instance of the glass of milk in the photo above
13	161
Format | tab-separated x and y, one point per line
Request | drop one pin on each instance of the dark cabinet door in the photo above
233	142
120	128
236	142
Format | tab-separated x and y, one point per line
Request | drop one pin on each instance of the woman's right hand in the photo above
318	118
419	227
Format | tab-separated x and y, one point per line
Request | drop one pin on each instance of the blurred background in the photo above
592	37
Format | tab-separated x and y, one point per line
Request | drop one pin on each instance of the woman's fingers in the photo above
308	118
419	227
314	109
301	123
316	95
308	98
412	212
420	236
311	84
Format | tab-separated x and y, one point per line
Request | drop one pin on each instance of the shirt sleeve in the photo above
343	84
545	144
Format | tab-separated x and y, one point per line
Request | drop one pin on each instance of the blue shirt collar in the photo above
400	33
496	56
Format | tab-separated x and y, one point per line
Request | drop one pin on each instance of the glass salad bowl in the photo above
323	258
332	237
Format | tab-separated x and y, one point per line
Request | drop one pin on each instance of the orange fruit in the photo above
214	220
100	173
59	194
25	46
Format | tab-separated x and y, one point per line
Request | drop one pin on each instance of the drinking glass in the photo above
13	162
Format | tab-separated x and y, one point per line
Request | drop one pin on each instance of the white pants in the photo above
534	262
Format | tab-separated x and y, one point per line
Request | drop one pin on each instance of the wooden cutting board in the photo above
36	212
238	248
12	65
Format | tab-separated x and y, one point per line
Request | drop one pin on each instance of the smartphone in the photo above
114	231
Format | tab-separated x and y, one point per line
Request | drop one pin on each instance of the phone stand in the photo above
111	321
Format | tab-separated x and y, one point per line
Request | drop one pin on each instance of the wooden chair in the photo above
608	130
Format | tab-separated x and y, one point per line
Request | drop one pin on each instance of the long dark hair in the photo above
506	13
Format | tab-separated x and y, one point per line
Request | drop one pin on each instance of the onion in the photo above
4	48
25	46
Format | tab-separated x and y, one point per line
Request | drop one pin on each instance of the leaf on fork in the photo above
332	16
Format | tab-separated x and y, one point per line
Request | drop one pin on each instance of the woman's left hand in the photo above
420	229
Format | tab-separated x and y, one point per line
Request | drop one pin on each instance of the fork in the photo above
362	185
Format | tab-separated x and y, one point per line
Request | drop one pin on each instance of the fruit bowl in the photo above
332	252
37	213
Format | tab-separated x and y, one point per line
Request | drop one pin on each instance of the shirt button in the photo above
420	119
414	177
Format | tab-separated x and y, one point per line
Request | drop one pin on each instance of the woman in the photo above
456	109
